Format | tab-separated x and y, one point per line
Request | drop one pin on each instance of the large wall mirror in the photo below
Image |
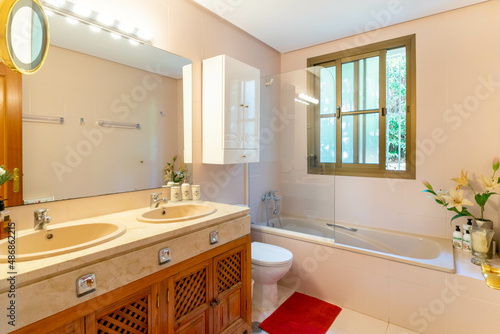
102	115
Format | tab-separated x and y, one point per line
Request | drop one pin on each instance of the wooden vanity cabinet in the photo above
209	293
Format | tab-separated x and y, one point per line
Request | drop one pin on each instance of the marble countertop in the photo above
138	235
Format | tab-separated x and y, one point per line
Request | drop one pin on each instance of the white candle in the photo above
479	241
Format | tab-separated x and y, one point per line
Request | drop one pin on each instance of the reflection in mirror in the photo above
24	26
26	43
78	157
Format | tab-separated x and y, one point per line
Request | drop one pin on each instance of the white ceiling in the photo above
288	25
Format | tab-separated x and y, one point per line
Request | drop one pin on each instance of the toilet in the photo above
269	264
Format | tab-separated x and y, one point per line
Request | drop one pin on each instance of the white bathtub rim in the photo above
444	262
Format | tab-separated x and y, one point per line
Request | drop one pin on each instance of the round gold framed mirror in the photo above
24	35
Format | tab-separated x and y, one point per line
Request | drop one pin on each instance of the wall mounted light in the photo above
98	21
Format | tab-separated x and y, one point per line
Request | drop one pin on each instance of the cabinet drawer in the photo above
240	156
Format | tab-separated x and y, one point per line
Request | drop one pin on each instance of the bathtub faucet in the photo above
271	195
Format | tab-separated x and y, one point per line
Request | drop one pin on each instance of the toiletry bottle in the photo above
4	221
466	246
457	238
468	226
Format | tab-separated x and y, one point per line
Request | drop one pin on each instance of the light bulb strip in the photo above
92	21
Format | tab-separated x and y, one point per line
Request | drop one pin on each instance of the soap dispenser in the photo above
466	245
457	238
467	226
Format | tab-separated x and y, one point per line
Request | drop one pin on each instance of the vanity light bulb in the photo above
115	36
82	10
105	19
71	20
126	27
56	3
145	34
133	42
95	28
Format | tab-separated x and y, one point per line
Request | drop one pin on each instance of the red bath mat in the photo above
301	314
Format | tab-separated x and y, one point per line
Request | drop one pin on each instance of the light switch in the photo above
164	256
85	285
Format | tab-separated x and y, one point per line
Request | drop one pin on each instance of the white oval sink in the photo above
176	213
32	245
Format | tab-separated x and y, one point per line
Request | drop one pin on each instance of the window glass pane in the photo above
368	139
360	85
327	140
327	91
396	109
360	139
348	87
348	139
369	83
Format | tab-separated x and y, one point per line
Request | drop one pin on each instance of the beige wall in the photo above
184	28
189	30
457	118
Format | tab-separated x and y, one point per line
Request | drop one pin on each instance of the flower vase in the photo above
481	236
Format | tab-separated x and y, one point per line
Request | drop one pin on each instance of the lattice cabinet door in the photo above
189	298
230	302
134	314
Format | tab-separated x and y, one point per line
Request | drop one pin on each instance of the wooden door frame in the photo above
11	153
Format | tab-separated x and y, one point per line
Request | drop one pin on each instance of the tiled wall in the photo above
458	93
420	299
184	28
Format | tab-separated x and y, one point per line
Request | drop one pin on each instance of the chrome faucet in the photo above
155	200
271	195
41	220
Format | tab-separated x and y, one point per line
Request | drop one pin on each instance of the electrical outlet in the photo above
214	237
164	256
85	285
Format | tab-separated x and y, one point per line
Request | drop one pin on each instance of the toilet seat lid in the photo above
270	255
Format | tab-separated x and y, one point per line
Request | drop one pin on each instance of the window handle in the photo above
338	112
384	111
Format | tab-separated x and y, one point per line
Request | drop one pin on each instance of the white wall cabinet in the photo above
231	111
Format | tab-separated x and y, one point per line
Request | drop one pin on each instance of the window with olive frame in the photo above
364	123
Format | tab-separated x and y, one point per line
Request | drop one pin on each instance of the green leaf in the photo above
481	199
429	191
441	202
457	216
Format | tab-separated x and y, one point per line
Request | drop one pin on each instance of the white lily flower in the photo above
462	180
456	199
2	171
439	196
491	185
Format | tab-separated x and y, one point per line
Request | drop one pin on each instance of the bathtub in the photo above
423	251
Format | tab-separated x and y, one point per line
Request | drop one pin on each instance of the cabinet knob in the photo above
215	302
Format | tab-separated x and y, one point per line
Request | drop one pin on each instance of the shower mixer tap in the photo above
271	195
